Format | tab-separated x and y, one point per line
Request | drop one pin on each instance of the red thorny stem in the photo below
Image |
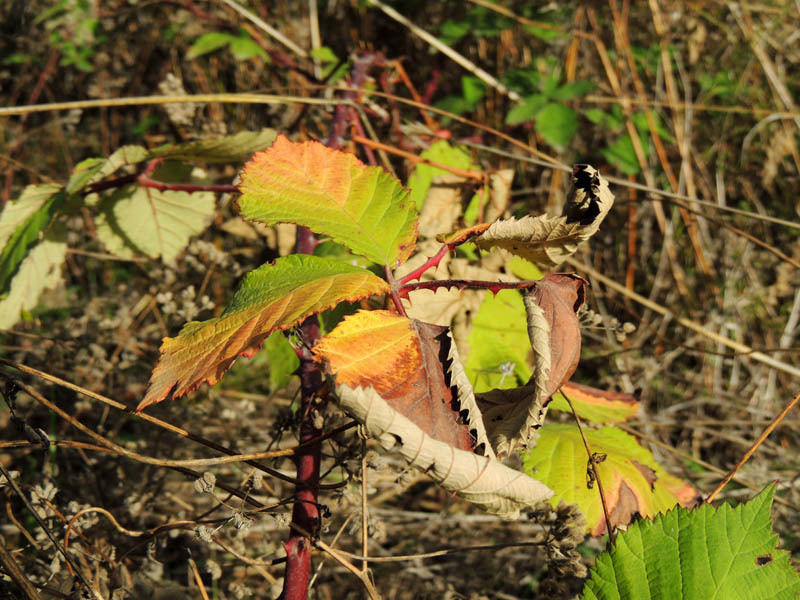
305	513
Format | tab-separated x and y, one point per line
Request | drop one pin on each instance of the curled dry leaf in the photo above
496	488
403	380
450	307
404	361
511	416
547	240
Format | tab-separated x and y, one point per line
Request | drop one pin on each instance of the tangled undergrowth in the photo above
693	101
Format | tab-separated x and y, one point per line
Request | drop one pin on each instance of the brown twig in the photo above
198	579
14	571
750	451
174	429
48	533
416	159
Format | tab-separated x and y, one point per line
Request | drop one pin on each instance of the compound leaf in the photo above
403	380
271	297
332	193
402	360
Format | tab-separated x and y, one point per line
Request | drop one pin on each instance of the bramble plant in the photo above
393	361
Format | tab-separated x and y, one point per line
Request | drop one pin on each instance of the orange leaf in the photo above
592	404
402	360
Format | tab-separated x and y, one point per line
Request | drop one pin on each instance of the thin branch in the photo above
266	28
479	176
447	51
14	571
364	510
641	187
492	286
157	100
182	432
437	553
750	451
11	482
432	262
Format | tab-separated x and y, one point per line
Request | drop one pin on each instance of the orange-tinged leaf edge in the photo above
158	391
346	164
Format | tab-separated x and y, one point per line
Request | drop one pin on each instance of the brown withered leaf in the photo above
442	206
403	380
544	240
500	197
403	361
512	416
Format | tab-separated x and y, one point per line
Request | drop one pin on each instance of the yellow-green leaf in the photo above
334	194
271	297
156	223
633	482
592	404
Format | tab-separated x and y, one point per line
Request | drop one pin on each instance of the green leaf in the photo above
573	89
27	232
207	43
271	297
244	48
499	342
621	155
546	34
473	88
524	269
332	193
17	211
707	552
557	124
39	270
324	54
521	113
92	170
441	152
592	404
610	120
550	82
283	361
640	121
633	481
230	148
152	222
452	31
